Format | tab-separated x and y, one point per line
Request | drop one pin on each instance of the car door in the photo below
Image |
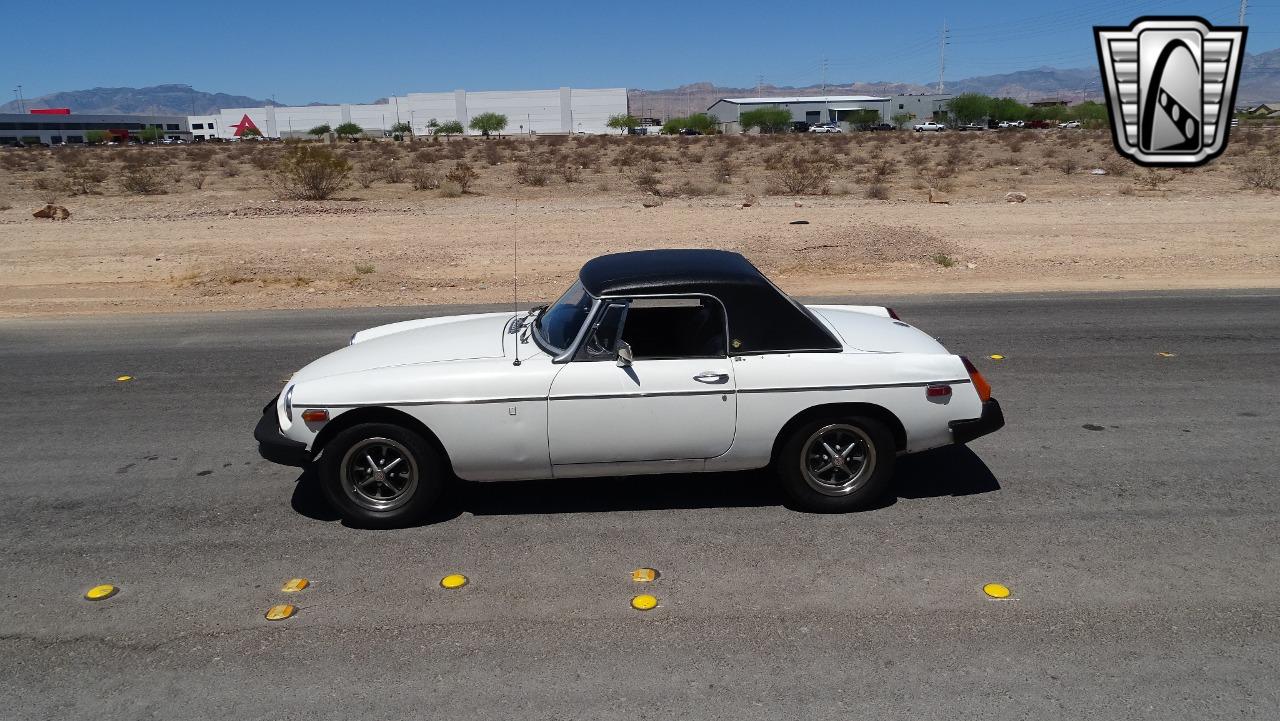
675	400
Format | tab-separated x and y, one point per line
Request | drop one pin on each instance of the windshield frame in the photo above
563	355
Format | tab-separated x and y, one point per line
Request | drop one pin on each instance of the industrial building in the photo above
66	127
560	111
840	109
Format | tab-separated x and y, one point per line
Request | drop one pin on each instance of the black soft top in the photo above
762	319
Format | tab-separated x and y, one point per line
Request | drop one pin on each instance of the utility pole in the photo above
759	85
21	106
1244	5
824	76
942	56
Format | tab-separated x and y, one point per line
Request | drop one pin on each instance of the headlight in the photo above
288	403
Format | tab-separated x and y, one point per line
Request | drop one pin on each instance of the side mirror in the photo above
624	354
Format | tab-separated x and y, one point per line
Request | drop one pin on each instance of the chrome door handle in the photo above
711	377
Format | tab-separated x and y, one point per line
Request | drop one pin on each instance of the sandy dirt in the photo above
233	244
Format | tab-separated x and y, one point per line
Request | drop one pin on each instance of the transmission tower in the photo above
943	41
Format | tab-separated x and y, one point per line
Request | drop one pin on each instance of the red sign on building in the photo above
51	111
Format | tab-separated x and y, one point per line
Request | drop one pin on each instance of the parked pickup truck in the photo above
929	126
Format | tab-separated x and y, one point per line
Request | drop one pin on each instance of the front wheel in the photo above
380	475
837	464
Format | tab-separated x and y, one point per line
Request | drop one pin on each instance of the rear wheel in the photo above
837	464
381	475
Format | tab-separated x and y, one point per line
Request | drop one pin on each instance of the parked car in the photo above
881	126
825	128
690	131
1038	124
1070	125
929	126
1010	124
971	126
660	361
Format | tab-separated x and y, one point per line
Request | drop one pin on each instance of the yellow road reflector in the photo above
996	590
122	379
453	580
643	575
101	593
295	584
280	612
996	356
1165	354
644	602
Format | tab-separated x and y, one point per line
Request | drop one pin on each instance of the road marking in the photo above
644	602
122	379
294	585
643	575
280	612
996	590
1165	354
453	580
996	356
101	592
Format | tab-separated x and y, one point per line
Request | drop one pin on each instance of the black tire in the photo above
868	436
392	500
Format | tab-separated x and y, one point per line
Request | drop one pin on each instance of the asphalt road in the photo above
1130	505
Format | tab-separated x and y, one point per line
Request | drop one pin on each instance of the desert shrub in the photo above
1153	179
492	153
916	157
570	172
462	174
197	182
877	191
392	172
262	159
1116	165
5	205
450	189
312	172
424	179
693	189
533	171
645	177
365	176
1261	172
142	181
882	168
1068	164
231	170
799	175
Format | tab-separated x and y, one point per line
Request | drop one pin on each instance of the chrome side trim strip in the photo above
658	394
859	387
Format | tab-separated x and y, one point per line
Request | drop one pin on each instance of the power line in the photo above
942	55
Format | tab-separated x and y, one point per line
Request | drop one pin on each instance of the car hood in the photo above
428	340
871	330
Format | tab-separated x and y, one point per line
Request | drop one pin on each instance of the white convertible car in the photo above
663	361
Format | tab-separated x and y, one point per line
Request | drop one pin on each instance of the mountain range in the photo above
1259	82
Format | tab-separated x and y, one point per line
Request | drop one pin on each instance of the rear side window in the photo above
675	328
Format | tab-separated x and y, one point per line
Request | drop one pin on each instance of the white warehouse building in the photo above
560	111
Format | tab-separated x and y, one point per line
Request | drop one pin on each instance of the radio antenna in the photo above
515	275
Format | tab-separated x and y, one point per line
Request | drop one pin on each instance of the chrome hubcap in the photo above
838	459
379	474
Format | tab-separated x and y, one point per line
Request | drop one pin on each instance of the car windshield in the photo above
559	324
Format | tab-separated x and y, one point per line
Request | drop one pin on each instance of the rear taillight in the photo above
893	313
979	383
938	390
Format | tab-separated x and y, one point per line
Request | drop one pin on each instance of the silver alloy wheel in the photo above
837	459
379	474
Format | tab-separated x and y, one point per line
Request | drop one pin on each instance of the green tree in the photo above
624	122
1047	112
151	134
402	127
319	130
1090	114
248	133
900	120
349	130
863	118
487	123
447	128
769	120
95	137
1007	109
970	107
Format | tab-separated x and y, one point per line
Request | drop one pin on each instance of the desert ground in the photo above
178	228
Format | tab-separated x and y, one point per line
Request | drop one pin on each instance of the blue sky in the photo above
326	50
